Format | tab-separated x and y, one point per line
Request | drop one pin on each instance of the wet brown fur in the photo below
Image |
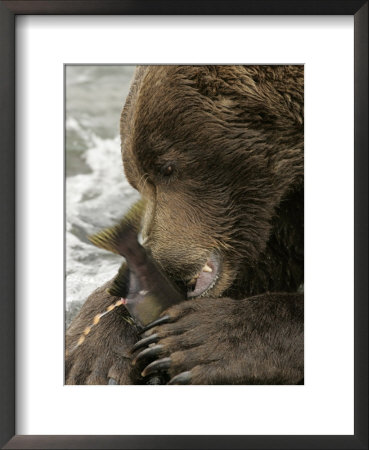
233	136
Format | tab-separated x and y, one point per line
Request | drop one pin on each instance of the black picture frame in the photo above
8	11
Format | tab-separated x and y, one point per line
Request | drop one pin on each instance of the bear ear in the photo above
109	238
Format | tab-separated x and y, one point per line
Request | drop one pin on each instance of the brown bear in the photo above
217	154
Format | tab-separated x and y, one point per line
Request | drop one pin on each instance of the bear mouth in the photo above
204	280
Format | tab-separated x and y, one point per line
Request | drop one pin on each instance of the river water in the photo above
97	192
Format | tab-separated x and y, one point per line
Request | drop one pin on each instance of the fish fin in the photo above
108	239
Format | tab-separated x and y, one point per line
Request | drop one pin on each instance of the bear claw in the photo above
156	322
181	378
145	342
156	366
148	354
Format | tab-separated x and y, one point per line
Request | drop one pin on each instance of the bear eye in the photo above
167	170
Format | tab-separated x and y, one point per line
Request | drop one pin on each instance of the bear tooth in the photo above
207	268
193	280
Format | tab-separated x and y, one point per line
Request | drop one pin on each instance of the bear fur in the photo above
217	154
